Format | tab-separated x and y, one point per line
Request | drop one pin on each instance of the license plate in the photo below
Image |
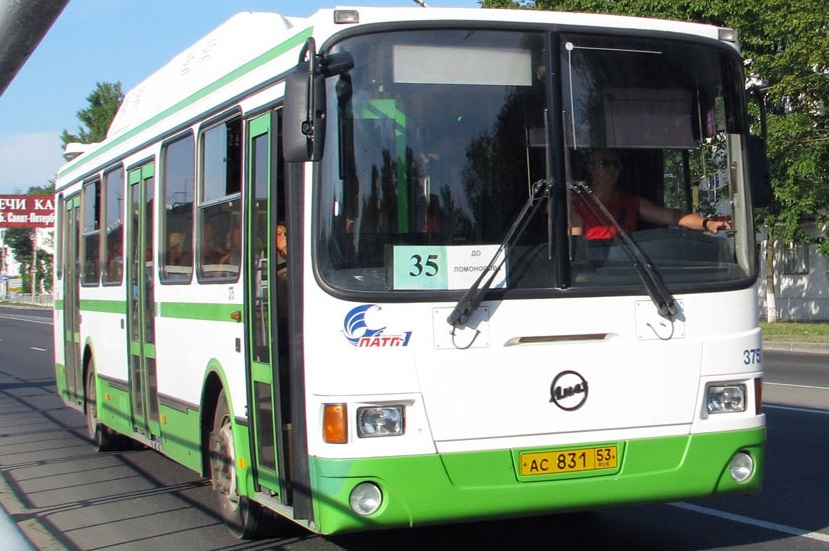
568	461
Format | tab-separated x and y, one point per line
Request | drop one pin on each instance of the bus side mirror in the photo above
303	119
759	174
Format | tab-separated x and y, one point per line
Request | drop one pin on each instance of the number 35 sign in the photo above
421	267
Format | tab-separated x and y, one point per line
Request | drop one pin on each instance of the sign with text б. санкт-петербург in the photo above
27	211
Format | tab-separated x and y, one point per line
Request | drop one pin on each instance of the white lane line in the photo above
754	522
30	319
38	349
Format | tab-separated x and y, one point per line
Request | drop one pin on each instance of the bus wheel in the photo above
243	517
103	439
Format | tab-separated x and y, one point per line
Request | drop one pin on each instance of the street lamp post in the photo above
34	263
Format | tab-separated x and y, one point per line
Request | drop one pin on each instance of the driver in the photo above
604	167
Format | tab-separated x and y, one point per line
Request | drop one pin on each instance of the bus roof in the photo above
241	38
230	50
247	35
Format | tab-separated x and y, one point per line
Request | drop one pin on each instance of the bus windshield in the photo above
437	137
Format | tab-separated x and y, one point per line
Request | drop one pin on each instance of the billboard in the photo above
27	211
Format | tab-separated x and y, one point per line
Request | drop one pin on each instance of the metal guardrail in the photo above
28	298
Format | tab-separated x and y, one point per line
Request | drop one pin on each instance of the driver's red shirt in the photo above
623	207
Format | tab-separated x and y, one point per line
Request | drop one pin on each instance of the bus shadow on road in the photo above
61	494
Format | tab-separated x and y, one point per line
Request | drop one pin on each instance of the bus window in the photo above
91	240
429	153
113	258
178	180
220	204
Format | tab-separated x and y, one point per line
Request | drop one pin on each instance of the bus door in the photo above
270	412
140	303
70	232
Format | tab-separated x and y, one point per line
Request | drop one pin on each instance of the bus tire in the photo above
244	518
103	439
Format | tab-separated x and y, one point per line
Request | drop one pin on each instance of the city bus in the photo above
435	344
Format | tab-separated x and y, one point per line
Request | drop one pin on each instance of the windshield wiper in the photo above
472	298
660	295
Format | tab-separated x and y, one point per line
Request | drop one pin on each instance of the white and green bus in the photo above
436	345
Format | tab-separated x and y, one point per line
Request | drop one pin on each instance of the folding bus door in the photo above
70	238
267	388
140	302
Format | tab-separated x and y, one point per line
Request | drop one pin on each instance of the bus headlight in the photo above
742	466
726	398
365	498
380	421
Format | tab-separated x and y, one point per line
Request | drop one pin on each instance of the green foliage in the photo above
785	45
104	102
19	241
510	4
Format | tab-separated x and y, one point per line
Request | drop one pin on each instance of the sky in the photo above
111	41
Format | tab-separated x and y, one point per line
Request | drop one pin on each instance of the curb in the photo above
814	347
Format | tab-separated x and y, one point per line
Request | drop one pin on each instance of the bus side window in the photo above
220	203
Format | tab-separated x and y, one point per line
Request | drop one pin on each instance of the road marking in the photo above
31	319
753	522
38	349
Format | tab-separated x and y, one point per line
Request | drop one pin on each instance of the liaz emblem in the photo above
568	390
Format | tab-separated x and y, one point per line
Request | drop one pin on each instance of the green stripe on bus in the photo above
142	349
175	310
106	306
248	67
196	311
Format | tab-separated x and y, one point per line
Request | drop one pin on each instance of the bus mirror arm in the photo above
332	65
472	298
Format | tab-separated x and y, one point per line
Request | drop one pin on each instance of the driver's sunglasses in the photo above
607	163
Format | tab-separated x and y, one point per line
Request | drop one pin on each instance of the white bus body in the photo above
373	386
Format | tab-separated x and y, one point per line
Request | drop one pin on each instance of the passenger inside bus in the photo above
115	261
232	252
282	315
282	284
211	253
604	167
175	249
281	247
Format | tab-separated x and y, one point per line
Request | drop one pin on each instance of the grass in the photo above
796	331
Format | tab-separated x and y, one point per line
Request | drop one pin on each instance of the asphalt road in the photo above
62	495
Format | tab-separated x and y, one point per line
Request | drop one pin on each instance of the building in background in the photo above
801	279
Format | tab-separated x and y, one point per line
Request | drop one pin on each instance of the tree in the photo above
21	243
104	102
